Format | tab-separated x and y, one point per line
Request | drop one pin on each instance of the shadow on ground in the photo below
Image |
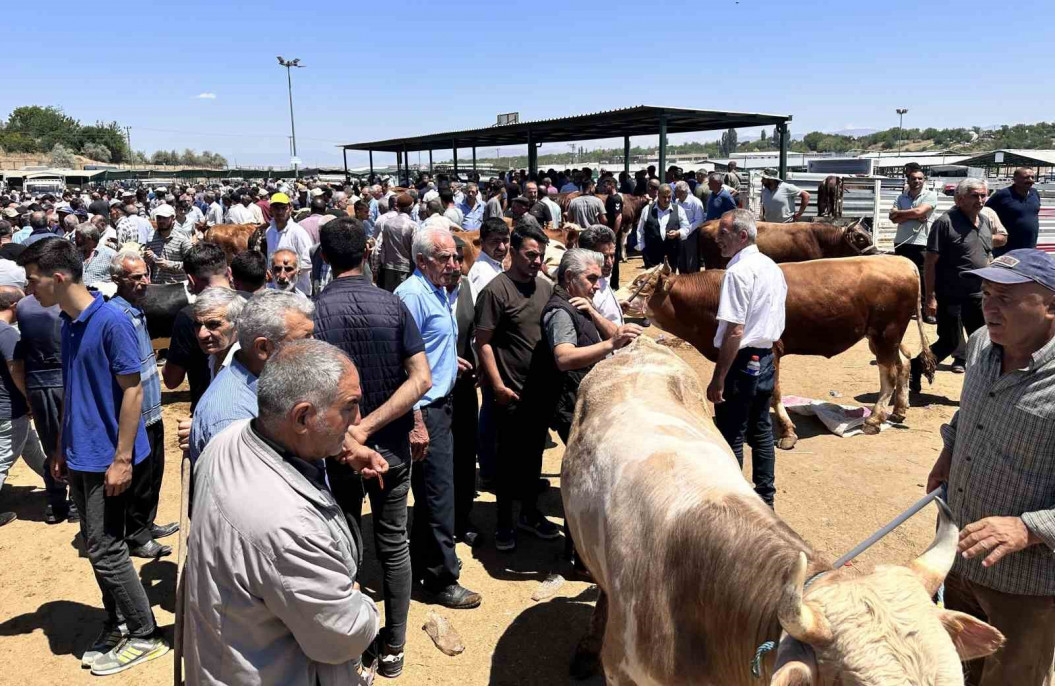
530	652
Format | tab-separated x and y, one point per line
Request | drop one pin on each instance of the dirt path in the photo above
834	491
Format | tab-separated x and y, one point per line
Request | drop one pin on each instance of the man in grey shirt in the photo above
912	212
587	209
493	208
778	199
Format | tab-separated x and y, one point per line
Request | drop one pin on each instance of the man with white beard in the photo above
282	276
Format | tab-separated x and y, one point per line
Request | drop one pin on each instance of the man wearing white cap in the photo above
165	250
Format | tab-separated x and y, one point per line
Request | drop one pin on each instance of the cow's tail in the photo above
929	364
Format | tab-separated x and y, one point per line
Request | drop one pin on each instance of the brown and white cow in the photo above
795	242
831	304
695	571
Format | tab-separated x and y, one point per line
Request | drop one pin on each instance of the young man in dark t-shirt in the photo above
205	265
613	212
960	240
508	328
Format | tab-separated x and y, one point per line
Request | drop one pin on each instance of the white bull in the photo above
695	571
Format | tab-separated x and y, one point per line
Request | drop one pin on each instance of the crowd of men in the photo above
344	363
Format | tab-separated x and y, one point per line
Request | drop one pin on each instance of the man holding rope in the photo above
999	464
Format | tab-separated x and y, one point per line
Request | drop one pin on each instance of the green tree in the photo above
97	152
60	156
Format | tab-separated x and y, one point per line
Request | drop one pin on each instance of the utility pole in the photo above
128	140
900	126
288	64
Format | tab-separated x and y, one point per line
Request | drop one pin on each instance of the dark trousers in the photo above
1028	623
518	460
464	430
955	315
745	414
487	439
684	255
103	530
146	488
613	280
46	404
915	253
432	554
389	279
388	506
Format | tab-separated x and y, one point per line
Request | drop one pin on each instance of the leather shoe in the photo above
162	531
455	597
151	550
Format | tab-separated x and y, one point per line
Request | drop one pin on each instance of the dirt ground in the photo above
834	491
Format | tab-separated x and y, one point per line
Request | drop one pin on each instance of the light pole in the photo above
900	126
288	64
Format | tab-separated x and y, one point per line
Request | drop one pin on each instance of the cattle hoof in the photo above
897	417
787	442
870	429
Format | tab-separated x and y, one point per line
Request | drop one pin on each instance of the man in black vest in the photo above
577	337
376	330
658	229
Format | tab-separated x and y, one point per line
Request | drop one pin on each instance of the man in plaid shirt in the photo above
999	465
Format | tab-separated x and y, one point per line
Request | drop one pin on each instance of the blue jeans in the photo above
745	414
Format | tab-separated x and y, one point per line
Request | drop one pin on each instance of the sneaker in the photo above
390	664
73	516
129	652
107	639
7	518
455	597
505	540
539	526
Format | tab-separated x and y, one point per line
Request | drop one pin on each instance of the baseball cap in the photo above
165	211
1020	266
279	199
11	213
115	203
316	192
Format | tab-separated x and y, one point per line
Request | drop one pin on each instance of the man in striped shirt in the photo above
95	255
999	467
129	272
165	250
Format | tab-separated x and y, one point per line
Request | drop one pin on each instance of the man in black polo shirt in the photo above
960	240
376	330
613	212
1018	207
508	328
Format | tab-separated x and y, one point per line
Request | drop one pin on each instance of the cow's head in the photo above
859	238
643	287
879	628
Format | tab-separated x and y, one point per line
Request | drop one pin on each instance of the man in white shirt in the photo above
215	214
660	228
750	320
288	234
240	212
689	239
494	246
600	238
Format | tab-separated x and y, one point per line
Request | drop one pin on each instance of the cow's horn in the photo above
802	621
932	566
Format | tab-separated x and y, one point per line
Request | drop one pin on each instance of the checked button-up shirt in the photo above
1003	462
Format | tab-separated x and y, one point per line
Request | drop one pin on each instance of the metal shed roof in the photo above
1016	157
642	120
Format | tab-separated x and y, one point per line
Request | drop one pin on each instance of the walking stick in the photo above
181	557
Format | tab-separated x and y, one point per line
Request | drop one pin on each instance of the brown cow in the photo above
831	304
830	197
695	571
794	242
236	238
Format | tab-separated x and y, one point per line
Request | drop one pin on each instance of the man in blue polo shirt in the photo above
102	437
432	480
1018	207
720	200
132	276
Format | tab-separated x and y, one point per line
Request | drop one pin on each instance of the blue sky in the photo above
374	72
